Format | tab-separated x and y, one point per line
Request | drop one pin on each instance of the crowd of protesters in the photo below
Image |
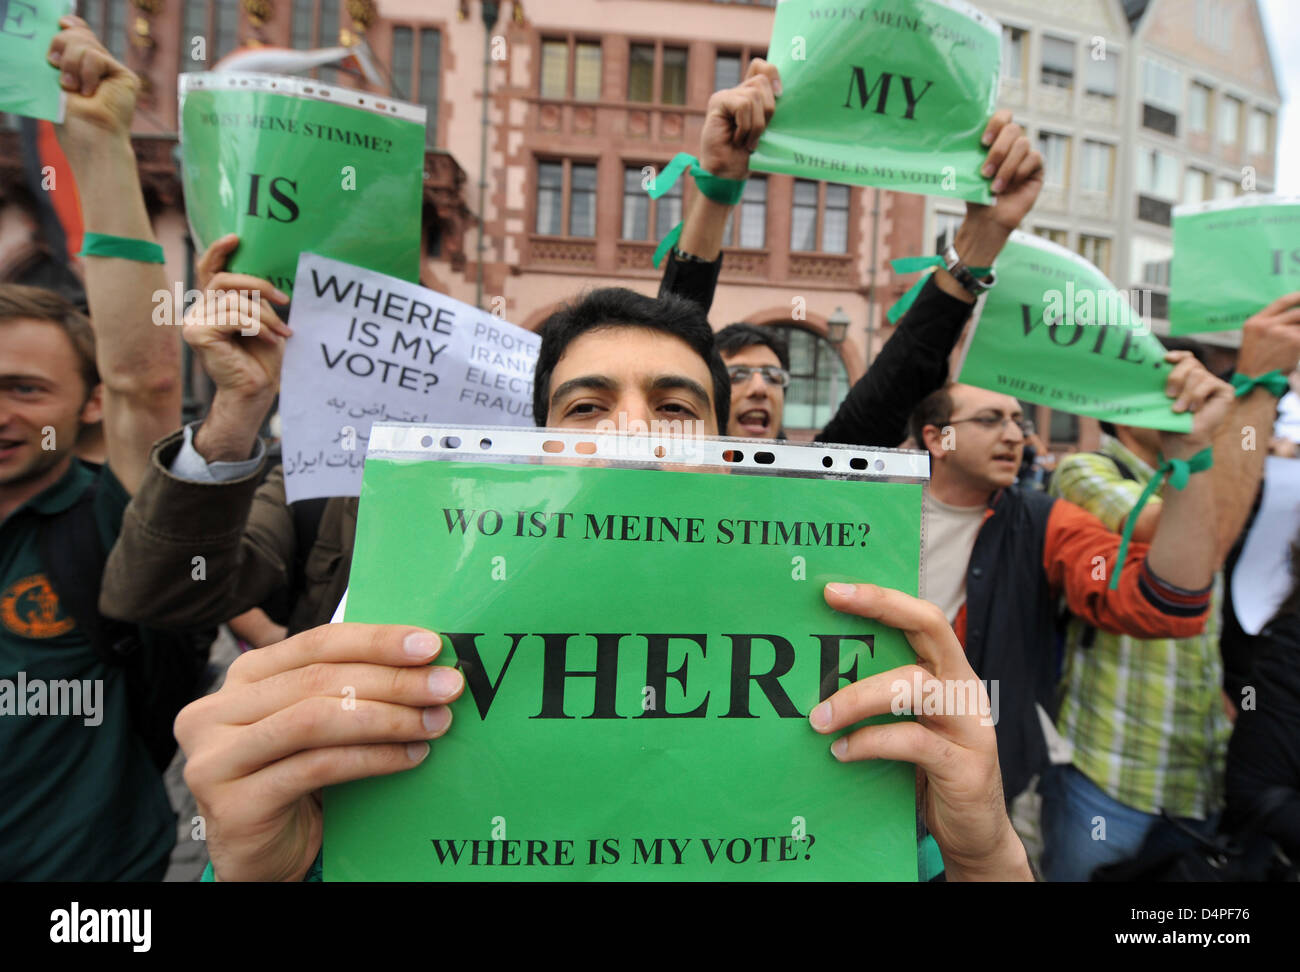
1116	701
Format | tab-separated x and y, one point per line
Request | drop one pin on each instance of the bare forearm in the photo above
1240	449
704	227
1184	552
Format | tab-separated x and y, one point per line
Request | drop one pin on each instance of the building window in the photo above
1055	149
835	225
672	87
1257	138
1058	62
1013	54
579	217
1229	120
1198	108
1101	80
1098	163
636	205
945	230
818	379
668	210
726	71
641	72
1058	236
1157	174
194	27
747	223
1151	261
1065	426
1214	24
1162	97
421	78
803	222
299	25
215	22
1225	189
327	34
586	84
1096	250
1195	185
107	18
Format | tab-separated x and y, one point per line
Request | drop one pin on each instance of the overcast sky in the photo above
1282	18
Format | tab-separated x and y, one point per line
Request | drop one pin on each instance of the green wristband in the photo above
1274	382
103	245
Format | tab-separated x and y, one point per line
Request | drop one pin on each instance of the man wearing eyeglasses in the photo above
997	558
758	363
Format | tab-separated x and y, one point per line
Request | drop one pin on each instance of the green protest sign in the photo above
293	165
1054	331
888	93
29	85
1232	257
642	647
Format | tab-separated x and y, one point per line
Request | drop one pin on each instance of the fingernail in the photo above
998	185
416	752
839	748
68	78
843	590
444	681
420	644
820	717
776	88
987	170
56	58
436	719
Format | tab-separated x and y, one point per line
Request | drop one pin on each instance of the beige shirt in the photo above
949	539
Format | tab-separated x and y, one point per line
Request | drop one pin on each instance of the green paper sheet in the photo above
693	773
1055	331
291	165
888	93
1232	258
29	84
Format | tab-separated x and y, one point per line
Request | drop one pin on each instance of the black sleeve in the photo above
1264	754
913	363
691	279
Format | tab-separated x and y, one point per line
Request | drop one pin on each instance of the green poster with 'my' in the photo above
1053	330
29	84
641	647
888	93
1232	258
293	165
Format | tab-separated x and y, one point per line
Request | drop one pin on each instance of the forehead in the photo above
968	398
40	348
755	355
630	356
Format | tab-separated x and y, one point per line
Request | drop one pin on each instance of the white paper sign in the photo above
1263	574
367	348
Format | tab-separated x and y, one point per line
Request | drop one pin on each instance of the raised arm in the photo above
139	363
914	362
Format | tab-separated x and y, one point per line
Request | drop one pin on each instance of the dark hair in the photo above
738	336
18	301
1291	603
620	307
1199	352
935	409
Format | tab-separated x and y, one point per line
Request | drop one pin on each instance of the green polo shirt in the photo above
80	799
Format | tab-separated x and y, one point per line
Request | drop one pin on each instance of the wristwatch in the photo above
970	283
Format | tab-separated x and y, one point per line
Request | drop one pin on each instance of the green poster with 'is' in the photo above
290	165
642	648
1053	330
888	93
1232	258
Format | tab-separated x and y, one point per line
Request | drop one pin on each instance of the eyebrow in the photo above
681	382
586	382
42	379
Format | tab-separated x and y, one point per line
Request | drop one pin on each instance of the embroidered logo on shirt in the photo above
30	608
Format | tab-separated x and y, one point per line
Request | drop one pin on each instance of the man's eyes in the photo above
679	408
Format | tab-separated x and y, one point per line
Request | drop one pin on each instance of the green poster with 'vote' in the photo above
292	165
29	84
1232	258
1053	330
641	647
888	93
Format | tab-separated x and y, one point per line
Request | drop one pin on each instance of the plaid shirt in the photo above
1145	718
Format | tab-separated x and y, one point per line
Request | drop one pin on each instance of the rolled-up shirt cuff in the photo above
191	466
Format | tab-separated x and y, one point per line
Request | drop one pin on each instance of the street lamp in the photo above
837	327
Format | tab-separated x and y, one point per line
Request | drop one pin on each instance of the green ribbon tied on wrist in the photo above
720	190
1272	381
1179	471
104	245
912	265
